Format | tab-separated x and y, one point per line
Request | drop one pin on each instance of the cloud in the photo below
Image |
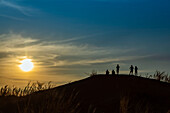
11	42
12	17
63	60
4	55
17	10
24	10
54	53
64	55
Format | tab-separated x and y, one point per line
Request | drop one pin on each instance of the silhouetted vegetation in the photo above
94	72
96	94
29	89
158	75
50	102
161	76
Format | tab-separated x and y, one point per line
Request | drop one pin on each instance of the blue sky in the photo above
72	37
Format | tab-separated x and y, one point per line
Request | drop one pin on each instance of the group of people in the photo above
118	69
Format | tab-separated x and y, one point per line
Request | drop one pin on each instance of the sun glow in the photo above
26	65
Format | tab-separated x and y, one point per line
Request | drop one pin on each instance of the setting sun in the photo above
26	65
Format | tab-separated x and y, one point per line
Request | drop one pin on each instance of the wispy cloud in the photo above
48	53
24	10
65	58
12	17
57	56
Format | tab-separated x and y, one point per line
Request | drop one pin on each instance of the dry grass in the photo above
127	107
27	90
158	75
124	104
62	102
161	76
52	102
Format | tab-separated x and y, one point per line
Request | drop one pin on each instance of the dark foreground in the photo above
97	94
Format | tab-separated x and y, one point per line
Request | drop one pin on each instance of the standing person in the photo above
131	70
136	70
117	69
107	72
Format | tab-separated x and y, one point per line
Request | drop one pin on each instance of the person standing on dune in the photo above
136	70
131	70
117	69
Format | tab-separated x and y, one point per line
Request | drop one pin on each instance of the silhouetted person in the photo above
131	70
107	72
117	69
136	70
113	72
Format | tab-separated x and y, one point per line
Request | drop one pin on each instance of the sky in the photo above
67	39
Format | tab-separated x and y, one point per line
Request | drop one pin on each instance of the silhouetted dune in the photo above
96	94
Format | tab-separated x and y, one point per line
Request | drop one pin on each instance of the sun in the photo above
26	65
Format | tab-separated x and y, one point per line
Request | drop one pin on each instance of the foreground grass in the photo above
42	98
50	102
27	90
62	102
